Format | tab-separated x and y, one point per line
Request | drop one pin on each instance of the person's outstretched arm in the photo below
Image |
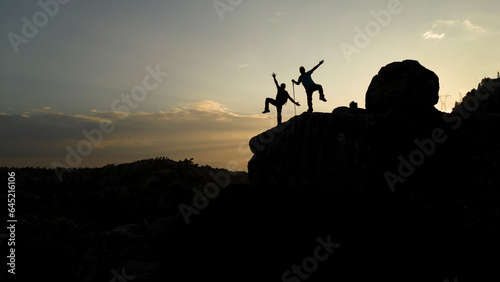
320	63
275	81
291	99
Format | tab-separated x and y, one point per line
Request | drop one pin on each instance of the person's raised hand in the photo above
274	74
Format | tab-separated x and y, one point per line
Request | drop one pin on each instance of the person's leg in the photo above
278	109
320	89
268	101
309	101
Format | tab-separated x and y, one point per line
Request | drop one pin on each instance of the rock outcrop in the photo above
403	85
485	99
409	185
353	195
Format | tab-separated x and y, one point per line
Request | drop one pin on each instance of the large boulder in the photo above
403	85
378	183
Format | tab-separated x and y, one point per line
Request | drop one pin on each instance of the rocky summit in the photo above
409	193
396	192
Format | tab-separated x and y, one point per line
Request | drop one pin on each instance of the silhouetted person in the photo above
309	85
281	98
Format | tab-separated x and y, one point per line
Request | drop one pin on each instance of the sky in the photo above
90	83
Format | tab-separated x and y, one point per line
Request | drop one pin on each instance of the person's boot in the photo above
265	111
322	98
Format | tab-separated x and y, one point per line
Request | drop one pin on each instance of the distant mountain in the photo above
60	221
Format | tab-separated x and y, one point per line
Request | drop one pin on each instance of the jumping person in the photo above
281	98
309	85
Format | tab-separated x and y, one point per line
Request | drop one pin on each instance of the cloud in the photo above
430	35
443	22
206	131
470	26
36	110
283	11
452	29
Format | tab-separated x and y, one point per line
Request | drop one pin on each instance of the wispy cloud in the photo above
452	28
35	110
443	22
280	13
206	131
41	109
430	35
470	26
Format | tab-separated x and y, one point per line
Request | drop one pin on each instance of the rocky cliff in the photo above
399	192
409	192
396	192
405	196
386	146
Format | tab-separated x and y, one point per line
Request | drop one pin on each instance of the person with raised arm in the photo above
309	85
281	98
